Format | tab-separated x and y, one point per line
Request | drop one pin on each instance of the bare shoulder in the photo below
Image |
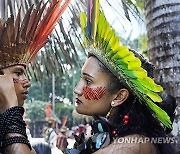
131	144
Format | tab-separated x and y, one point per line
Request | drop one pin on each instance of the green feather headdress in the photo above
103	43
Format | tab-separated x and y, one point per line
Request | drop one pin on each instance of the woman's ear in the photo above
121	97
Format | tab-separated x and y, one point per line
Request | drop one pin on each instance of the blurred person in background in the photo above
50	133
28	132
61	140
42	148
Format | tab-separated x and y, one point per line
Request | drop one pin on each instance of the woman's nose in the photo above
78	89
26	83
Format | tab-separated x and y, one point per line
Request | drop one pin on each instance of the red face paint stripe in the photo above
20	81
93	93
86	93
90	94
99	92
102	91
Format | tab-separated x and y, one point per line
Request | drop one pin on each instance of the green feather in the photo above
135	64
150	84
103	32
110	35
123	52
83	21
122	66
113	40
115	45
154	96
103	42
136	74
113	51
100	24
160	114
111	44
95	17
108	28
106	33
129	58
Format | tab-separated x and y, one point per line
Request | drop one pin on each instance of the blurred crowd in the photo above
55	140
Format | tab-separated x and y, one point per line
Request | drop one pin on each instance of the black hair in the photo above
141	118
114	84
169	105
145	64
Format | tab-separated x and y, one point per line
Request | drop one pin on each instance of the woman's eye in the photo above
88	81
18	73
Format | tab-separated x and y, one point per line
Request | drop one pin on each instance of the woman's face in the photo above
21	82
92	93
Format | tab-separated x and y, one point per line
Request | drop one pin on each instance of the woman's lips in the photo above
78	101
25	94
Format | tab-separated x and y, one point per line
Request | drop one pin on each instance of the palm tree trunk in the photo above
163	27
3	13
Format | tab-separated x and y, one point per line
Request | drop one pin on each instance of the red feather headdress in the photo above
20	40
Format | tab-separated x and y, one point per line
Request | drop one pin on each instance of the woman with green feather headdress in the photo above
118	90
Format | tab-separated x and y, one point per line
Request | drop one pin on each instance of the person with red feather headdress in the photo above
20	40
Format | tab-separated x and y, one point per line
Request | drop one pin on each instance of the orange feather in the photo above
46	26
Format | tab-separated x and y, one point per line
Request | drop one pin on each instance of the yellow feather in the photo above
100	23
135	64
83	21
123	52
154	96
129	58
107	30
95	17
137	74
150	84
160	114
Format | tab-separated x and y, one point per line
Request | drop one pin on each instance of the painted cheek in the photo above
93	93
22	82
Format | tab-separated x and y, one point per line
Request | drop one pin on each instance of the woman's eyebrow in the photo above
19	69
86	74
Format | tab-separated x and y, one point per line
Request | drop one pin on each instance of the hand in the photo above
8	96
61	142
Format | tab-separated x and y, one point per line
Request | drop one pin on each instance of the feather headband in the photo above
20	40
103	43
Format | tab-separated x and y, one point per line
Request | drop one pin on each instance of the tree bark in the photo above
3	7
163	27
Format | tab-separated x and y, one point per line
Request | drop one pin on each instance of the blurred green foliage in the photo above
35	111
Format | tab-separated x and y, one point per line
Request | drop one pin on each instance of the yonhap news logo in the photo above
154	140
